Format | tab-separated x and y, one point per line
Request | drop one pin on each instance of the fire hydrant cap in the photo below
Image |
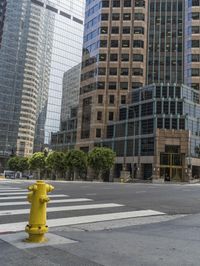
49	188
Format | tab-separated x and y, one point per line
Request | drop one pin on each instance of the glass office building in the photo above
39	41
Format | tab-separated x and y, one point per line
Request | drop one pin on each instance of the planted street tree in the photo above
55	163
76	163
37	162
101	160
13	163
23	164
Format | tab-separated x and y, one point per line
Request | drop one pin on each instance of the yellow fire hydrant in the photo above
37	220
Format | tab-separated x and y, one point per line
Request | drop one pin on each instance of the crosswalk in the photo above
63	210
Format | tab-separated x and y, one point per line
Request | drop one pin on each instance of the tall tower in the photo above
39	41
114	63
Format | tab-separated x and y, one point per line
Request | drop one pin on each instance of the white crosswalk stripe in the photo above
24	197
108	211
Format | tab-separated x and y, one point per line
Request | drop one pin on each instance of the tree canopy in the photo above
101	160
76	162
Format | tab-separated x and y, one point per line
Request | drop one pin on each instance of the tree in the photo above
101	160
37	162
13	163
18	164
76	163
23	164
55	162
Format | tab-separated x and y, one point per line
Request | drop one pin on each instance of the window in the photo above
159	107
166	108
112	85
125	43
124	85
123	99
100	98
113	57
116	3
124	71
102	57
159	123
138	44
195	86
104	16
105	3
167	123
110	116
115	16
103	43
114	43
99	115
113	71
195	29
127	3
102	71
100	85
115	30
126	30
195	43
139	3
195	15
137	72
98	132
124	57
138	57
138	30
195	2
104	30
195	58
136	85
127	16
110	131
111	99
139	16
195	72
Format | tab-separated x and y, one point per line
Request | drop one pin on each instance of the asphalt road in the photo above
168	198
171	238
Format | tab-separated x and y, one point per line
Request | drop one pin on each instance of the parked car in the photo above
9	174
27	176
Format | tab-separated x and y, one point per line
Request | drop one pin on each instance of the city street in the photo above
104	224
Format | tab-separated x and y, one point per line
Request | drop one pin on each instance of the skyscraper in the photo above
140	85
114	62
39	41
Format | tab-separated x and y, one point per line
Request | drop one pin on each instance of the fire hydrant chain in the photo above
37	220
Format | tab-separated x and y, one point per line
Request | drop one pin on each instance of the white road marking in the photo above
142	191
13	193
63	208
9	188
15	227
51	201
6	191
24	197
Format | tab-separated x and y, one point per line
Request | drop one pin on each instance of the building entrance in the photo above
171	164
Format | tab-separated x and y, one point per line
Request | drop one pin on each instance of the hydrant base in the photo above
36	238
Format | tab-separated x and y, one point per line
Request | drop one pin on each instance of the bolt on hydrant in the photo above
37	220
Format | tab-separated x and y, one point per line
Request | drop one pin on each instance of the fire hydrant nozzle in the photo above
37	220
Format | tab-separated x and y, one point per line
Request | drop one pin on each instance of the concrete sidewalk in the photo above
169	242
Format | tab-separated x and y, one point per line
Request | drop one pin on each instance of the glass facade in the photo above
39	42
166	42
160	106
66	53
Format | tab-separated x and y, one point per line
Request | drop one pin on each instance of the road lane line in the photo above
51	201
63	208
24	197
12	191
15	227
